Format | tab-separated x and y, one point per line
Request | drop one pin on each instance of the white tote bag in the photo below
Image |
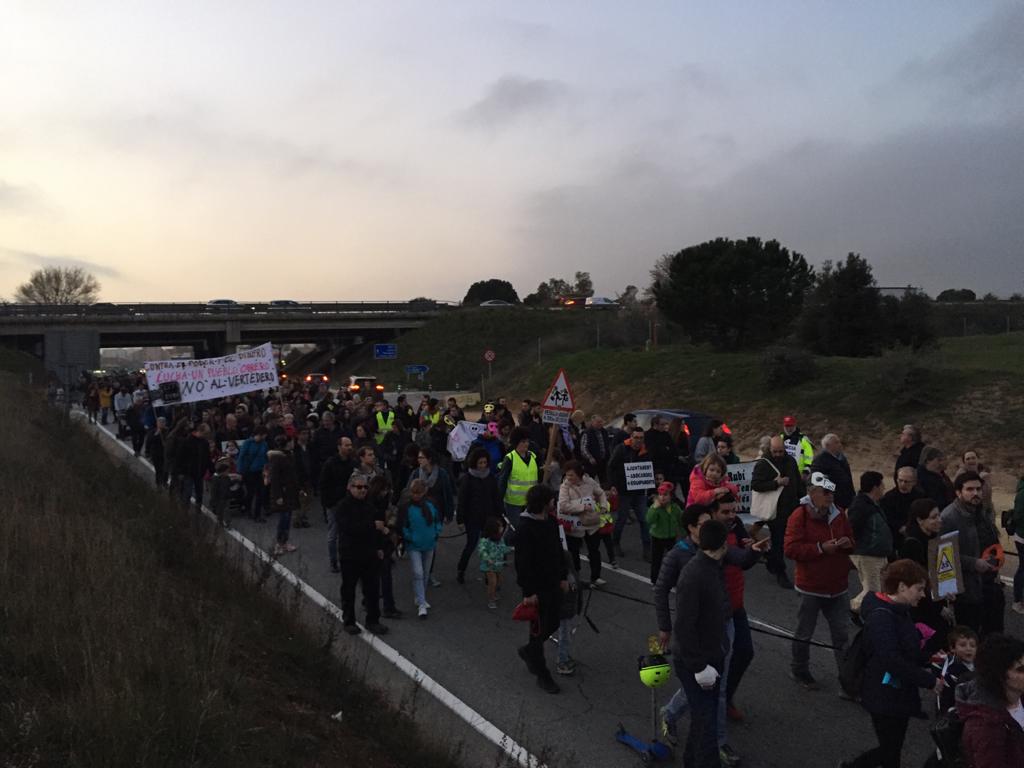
764	505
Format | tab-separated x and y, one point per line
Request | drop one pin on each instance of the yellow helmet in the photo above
654	670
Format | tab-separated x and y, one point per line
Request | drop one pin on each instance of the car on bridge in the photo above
284	304
223	305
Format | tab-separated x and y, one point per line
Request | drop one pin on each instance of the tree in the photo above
842	315
59	285
547	294
990	297
629	297
486	290
584	285
957	294
732	293
909	320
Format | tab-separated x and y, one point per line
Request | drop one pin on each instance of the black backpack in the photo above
947	732
851	668
1008	524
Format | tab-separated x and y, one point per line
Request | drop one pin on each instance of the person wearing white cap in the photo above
819	540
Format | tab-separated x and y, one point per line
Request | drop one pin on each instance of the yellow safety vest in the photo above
434	417
522	477
383	427
803	451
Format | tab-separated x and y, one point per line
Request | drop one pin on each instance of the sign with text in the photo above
215	377
945	571
460	438
639	475
551	416
740	474
385	351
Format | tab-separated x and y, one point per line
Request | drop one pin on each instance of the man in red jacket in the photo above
819	539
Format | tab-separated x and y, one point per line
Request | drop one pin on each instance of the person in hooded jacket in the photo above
284	490
895	664
478	500
991	707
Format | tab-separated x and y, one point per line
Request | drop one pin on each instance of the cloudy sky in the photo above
344	150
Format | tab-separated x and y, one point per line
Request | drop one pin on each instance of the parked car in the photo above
496	303
365	386
690	422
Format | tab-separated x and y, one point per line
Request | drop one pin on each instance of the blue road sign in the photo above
414	369
385	351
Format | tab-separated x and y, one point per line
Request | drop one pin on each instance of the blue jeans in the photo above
1018	577
635	501
284	525
730	632
190	487
332	536
702	741
512	512
564	640
421	562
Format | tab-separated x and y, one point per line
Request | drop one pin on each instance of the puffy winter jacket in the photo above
871	531
703	492
571	508
818	573
895	664
421	525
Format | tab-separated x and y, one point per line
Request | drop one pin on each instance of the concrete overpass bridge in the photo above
68	338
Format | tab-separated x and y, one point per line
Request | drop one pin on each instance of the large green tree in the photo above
843	314
59	285
486	290
909	320
732	293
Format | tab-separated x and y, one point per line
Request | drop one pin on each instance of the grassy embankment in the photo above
128	639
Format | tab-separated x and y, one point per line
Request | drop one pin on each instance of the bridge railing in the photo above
142	309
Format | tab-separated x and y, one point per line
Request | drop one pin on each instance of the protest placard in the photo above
462	437
945	572
740	474
215	377
639	475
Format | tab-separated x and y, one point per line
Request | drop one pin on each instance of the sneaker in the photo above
525	656
805	679
733	714
392	613
290	547
492	604
352	629
783	581
597	583
566	668
1018	607
728	756
434	582
613	564
422	611
278	550
377	629
547	684
667	728
460	577
427	605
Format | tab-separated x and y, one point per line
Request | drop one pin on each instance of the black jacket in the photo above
871	533
193	458
896	506
702	608
540	566
838	471
935	486
895	663
478	499
623	454
358	537
334	477
909	457
661	451
284	481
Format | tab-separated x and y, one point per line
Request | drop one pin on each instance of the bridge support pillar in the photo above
69	352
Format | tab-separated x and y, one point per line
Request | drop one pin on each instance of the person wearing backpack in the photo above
893	666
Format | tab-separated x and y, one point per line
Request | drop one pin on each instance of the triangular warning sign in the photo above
945	564
559	397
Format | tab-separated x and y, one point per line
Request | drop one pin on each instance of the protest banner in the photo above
639	475
462	437
215	377
945	572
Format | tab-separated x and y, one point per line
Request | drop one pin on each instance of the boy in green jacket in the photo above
663	518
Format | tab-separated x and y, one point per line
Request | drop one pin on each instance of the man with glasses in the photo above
361	544
896	502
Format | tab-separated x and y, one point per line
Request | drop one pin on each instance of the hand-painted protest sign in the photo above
215	377
945	571
639	475
740	475
460	438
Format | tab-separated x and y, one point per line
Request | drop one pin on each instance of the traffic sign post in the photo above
417	369
489	356
385	351
559	402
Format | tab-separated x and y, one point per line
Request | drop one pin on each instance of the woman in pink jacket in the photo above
707	481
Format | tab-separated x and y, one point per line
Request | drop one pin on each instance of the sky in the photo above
341	150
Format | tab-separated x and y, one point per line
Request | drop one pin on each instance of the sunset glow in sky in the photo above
385	150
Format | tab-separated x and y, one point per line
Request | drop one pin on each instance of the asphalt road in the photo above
471	650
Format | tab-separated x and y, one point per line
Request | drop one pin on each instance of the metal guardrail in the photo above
143	309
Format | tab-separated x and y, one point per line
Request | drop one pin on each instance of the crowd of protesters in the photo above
381	478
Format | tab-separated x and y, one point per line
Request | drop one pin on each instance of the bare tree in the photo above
59	285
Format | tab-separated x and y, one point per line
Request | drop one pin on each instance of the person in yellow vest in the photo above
797	444
385	419
518	472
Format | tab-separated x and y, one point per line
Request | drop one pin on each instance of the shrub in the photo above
786	366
